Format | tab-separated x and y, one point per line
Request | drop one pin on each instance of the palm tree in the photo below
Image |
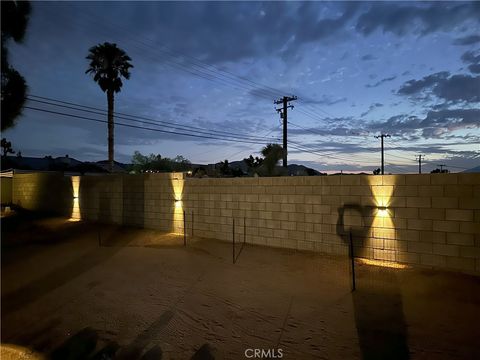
108	64
272	153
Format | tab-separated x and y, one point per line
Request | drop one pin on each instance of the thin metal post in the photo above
233	233
244	232
352	257
184	229
192	224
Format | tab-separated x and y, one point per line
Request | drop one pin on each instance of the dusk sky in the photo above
411	70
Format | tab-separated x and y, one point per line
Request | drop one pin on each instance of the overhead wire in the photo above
247	141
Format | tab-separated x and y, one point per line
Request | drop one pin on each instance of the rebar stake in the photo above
184	229
233	237
352	257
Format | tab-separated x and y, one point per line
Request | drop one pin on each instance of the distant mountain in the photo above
301	170
62	163
473	170
293	169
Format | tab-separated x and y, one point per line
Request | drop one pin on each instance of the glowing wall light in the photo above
382	211
76	215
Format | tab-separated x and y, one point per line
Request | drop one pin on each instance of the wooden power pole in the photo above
419	158
381	137
284	115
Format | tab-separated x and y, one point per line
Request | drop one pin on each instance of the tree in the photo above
15	16
224	168
108	64
253	162
440	171
376	171
272	154
143	163
6	147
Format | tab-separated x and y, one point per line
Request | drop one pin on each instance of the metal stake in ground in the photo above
192	224
352	257
184	229
244	232
233	237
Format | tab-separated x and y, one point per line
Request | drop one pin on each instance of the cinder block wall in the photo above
46	192
429	219
6	187
142	200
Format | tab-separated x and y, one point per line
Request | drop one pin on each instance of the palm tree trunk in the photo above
110	129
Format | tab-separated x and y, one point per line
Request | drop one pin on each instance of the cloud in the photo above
473	59
455	88
467	40
470	57
378	83
371	108
459	88
434	125
368	57
403	19
324	100
412	87
474	68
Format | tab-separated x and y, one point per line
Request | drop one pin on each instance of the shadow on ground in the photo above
379	317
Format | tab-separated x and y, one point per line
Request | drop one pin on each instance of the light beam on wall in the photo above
76	215
178	182
383	233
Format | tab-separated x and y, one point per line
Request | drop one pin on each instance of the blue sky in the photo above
411	70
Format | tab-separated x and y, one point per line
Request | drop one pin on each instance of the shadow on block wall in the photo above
152	201
47	193
133	200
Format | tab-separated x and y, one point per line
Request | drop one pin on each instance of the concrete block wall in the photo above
429	219
6	190
48	192
143	201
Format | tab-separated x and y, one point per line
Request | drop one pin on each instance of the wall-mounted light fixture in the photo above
178	203
382	211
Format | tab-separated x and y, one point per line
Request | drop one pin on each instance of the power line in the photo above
205	70
136	118
300	147
78	107
144	127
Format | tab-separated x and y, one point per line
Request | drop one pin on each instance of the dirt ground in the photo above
72	290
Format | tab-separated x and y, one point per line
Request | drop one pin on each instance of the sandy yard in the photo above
72	290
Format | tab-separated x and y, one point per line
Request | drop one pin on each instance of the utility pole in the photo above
381	137
419	158
284	115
